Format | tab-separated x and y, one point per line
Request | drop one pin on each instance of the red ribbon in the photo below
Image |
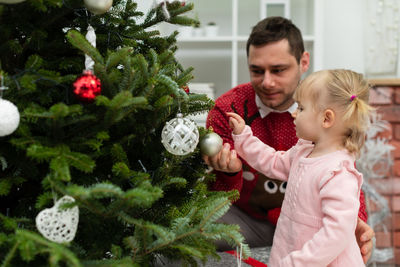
249	261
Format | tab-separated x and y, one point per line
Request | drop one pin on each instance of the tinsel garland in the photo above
375	162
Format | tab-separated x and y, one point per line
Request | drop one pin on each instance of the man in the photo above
276	61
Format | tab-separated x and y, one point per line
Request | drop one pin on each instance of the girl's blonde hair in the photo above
347	91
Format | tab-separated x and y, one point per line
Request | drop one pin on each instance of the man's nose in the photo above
268	80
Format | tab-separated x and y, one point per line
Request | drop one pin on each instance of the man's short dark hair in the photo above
274	29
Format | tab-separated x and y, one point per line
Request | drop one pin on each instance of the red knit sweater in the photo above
260	196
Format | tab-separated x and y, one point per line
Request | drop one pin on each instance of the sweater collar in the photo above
264	110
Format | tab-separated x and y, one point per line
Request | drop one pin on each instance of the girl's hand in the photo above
236	123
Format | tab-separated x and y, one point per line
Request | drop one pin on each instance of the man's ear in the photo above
329	118
305	62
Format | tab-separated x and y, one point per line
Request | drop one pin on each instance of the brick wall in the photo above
385	95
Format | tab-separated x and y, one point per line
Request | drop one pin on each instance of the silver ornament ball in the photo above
98	7
210	144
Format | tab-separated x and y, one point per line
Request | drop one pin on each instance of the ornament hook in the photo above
2	86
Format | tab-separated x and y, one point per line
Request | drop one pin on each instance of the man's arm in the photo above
364	233
362	213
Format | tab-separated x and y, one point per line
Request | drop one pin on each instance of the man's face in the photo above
275	73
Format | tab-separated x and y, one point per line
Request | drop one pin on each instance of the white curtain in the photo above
382	37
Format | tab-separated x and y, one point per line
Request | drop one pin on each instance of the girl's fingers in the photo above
233	123
234	115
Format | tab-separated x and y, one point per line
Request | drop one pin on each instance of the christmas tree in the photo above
85	179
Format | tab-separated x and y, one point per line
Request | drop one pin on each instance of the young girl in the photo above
319	213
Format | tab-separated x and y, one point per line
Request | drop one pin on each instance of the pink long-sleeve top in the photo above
319	212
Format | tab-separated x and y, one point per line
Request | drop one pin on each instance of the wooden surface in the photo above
385	82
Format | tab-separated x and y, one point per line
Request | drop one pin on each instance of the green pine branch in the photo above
80	42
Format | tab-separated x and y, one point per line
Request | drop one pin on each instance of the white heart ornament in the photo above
59	225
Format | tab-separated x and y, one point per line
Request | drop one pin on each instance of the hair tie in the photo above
352	98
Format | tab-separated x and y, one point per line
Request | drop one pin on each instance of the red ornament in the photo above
186	88
87	86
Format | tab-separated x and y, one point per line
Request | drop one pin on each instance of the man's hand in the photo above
226	160
364	235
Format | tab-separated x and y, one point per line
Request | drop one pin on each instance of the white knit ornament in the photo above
180	135
9	117
59	225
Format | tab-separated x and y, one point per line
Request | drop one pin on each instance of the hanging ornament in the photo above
163	4
98	7
91	37
9	115
210	144
87	86
186	89
59	225
180	135
11	1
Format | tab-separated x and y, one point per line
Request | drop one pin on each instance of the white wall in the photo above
342	32
343	24
343	36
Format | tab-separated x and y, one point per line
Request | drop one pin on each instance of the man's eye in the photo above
277	70
258	72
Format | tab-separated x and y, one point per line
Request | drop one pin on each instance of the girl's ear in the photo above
329	118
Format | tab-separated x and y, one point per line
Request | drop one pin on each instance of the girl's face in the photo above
307	118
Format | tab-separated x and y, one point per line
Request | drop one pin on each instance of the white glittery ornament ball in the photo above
59	225
210	144
98	7
180	135
9	117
